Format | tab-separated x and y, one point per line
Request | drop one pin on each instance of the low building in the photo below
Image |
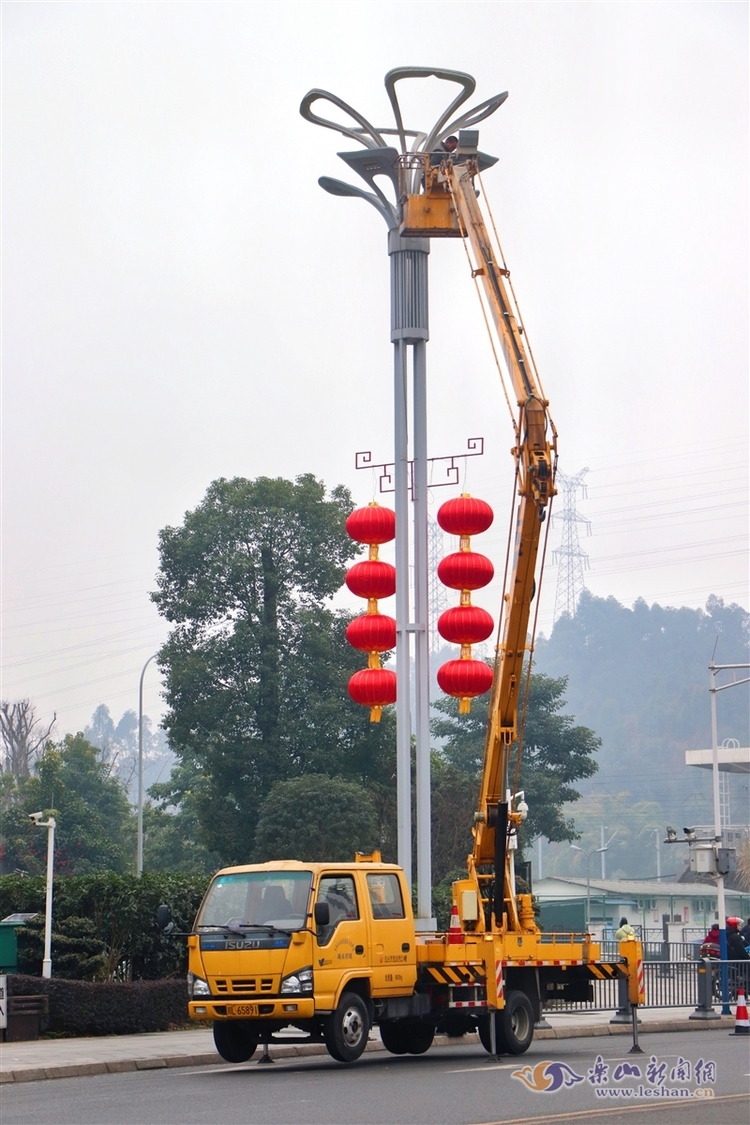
644	902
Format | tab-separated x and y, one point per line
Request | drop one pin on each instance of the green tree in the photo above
454	801
256	665
556	753
95	823
316	818
173	837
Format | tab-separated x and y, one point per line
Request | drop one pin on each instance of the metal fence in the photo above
657	950
669	984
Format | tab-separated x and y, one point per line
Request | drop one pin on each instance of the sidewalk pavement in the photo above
70	1058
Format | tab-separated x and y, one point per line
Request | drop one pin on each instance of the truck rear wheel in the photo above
407	1037
514	1026
235	1041
347	1028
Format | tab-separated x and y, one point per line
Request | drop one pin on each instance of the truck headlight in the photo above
197	986
295	983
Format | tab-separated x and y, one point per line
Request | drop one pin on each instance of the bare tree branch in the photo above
23	735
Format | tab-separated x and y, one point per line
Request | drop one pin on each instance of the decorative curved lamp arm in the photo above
473	116
338	187
399	73
367	134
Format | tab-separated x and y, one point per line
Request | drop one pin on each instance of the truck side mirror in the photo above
164	919
322	914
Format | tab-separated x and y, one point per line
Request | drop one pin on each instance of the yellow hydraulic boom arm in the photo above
534	454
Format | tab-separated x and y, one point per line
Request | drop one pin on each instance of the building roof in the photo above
563	886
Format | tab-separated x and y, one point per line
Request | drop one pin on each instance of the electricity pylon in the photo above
572	561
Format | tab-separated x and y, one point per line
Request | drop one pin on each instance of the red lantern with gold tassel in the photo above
373	632
465	624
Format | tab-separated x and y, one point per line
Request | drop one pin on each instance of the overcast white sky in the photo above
181	301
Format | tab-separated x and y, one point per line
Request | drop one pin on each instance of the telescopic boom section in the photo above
533	453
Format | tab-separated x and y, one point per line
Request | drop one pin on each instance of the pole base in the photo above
622	1016
708	1014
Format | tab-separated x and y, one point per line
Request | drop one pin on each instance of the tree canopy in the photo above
256	664
316	817
556	754
95	823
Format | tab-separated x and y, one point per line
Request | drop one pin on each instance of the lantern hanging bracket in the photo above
474	447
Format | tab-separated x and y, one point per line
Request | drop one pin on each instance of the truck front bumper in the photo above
289	1008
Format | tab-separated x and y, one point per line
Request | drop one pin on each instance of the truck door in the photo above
341	946
394	956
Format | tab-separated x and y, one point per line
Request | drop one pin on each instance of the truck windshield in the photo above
257	898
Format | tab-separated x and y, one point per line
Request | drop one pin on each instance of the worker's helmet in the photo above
734	922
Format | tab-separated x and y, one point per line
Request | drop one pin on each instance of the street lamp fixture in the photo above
50	825
594	851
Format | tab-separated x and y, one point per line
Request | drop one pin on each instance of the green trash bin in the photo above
9	942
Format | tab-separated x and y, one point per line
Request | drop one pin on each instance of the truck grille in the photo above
246	986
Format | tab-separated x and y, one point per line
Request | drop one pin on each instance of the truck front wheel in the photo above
514	1026
235	1041
347	1028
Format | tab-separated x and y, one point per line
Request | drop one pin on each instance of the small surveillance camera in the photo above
36	816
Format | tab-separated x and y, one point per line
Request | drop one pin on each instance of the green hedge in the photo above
103	926
82	1008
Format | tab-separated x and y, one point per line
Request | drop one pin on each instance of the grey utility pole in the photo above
409	330
139	832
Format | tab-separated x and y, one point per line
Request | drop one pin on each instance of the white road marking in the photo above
493	1066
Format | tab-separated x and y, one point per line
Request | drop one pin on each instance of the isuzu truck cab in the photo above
325	948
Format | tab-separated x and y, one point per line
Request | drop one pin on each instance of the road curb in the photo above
160	1062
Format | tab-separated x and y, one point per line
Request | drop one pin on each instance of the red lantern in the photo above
465	515
465	679
372	524
465	570
373	632
372	578
374	688
465	624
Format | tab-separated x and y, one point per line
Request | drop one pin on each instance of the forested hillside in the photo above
639	678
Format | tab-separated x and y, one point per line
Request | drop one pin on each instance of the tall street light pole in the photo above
409	329
139	848
594	851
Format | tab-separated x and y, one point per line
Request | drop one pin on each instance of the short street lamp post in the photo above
594	851
50	825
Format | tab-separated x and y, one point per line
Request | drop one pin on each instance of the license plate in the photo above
242	1010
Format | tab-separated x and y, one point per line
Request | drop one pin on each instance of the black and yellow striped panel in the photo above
603	971
457	974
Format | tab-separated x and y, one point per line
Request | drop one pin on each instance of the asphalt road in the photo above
460	1085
